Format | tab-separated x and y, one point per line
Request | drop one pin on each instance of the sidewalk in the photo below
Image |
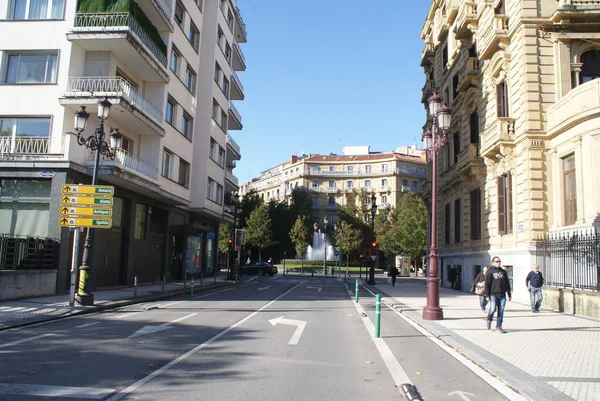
546	356
22	312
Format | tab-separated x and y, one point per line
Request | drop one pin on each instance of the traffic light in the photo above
361	256
229	242
373	244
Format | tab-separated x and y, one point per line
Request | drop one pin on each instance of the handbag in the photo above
480	288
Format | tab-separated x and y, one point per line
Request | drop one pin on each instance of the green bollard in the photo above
192	289
377	315
356	291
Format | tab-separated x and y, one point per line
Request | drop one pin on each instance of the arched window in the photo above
590	68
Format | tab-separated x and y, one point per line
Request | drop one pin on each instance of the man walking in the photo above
534	282
497	287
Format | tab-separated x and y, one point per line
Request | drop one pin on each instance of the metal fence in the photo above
24	253
570	260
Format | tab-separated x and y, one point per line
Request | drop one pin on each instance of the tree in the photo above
250	201
412	225
384	231
301	203
349	239
299	236
258	230
224	235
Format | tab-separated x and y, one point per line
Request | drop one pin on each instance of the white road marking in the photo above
318	288
462	394
26	340
265	288
300	325
83	326
156	328
191	352
55	391
126	315
170	304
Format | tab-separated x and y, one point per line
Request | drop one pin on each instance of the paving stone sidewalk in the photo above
546	356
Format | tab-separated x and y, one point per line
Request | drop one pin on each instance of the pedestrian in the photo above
534	282
392	273
479	287
452	276
497	287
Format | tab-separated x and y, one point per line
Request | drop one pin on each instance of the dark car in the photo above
261	268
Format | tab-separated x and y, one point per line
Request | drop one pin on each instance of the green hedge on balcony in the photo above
124	6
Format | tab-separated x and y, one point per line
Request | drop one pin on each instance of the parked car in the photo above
261	268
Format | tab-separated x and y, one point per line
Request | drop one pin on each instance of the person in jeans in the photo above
497	287
479	287
392	274
534	282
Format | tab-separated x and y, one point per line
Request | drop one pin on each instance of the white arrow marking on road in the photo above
462	394
264	288
300	323
318	288
26	340
155	329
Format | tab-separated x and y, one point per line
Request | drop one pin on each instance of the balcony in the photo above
427	54
494	36
123	36
468	158
235	119
469	75
29	148
239	61
576	107
124	168
136	112
233	149
427	90
466	22
499	133
231	181
576	11
452	10
240	27
406	188
159	13
237	89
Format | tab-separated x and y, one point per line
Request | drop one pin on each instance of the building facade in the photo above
521	78
168	67
329	177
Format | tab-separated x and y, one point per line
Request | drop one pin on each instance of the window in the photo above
368	169
221	157
228	52
383	199
167	165
313	201
474	127
37	9
350	169
184	173
331	200
475	214
349	185
170	112
331	184
199	3
456	143
385	168
175	57
504	188
367	183
384	183
139	231
29	68
570	195
590	68
194	36
447	224
314	185
502	99
331	168
499	10
455	86
405	183
179	11
220	37
445	58
187	125
209	188
25	135
190	79
457	220
230	19
224	120
315	169
215	110
225	87
217	73
213	147
219	198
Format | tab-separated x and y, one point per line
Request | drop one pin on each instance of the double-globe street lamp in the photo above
97	144
434	139
316	227
371	280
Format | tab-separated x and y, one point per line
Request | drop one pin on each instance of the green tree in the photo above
299	236
224	235
258	230
348	239
249	203
301	203
412	225
384	231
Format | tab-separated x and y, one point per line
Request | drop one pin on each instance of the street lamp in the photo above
434	139
97	144
230	275
371	280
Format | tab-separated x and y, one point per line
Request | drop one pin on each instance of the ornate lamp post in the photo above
371	280
440	115
97	144
232	265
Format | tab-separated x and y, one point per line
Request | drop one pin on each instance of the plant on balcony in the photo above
124	6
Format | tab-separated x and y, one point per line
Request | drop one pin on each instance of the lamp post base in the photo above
433	311
85	300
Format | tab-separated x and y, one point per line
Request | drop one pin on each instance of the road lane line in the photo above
83	326
126	315
26	340
55	391
191	352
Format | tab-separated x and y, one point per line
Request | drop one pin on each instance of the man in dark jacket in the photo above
534	282
497	287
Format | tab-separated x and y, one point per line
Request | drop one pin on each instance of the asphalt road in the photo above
280	338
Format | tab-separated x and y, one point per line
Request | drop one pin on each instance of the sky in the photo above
324	74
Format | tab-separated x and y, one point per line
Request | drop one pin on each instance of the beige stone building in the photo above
330	177
522	79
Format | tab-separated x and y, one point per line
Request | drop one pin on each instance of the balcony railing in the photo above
28	147
233	144
578	2
427	54
238	51
166	7
495	32
500	132
231	177
466	20
127	161
236	79
235	113
358	172
469	74
85	22
120	88
578	105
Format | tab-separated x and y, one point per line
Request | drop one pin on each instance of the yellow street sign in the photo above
99	190
86	211
86	200
84	222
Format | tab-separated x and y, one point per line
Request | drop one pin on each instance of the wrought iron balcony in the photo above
31	148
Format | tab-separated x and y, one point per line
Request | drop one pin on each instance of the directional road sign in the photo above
336	252
99	190
86	211
84	222
86	200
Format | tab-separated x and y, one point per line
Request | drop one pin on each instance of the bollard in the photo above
201	279
356	291
163	283
192	288
184	281
135	287
377	315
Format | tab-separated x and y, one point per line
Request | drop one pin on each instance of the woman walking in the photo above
479	288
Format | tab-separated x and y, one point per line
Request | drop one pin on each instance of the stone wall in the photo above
573	302
16	284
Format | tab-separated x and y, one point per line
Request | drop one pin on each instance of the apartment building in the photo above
522	79
329	177
169	69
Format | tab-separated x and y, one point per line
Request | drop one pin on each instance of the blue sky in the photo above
323	74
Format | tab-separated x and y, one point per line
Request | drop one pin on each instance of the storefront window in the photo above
24	207
194	253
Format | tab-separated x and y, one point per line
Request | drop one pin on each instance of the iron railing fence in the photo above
25	253
570	260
